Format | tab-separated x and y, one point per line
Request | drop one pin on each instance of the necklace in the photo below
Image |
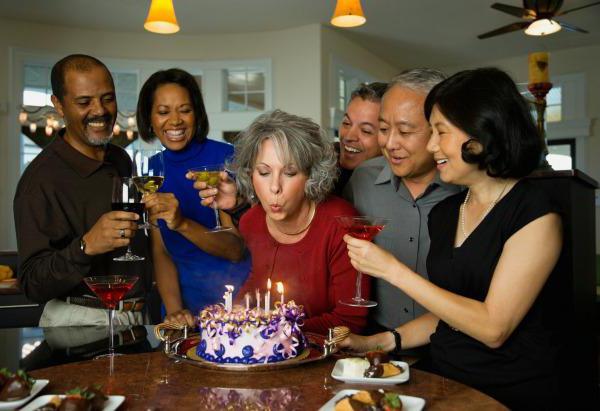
310	220
487	211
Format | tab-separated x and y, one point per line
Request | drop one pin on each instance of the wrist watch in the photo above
82	245
398	348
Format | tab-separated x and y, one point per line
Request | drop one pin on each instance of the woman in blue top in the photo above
191	266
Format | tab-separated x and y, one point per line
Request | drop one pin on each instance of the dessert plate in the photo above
38	386
396	379
111	404
408	403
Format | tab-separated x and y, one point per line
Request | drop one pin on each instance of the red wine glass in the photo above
110	289
365	228
127	197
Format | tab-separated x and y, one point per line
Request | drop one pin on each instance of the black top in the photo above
60	196
529	355
342	180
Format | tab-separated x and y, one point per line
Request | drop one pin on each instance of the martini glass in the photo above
365	228
148	176
210	175
110	289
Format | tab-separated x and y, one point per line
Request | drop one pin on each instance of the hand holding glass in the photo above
365	228
148	175
110	289
210	175
126	197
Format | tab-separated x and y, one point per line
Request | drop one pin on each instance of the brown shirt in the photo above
60	196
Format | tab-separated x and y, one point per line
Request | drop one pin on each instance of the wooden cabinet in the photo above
574	289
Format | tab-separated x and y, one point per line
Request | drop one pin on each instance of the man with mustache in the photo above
64	223
403	186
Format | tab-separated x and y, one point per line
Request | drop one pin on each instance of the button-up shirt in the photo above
375	190
59	198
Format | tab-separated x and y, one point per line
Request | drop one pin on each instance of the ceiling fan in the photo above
539	18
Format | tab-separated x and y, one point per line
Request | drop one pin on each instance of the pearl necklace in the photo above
487	211
310	220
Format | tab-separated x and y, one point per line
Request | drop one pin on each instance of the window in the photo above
553	112
561	154
245	90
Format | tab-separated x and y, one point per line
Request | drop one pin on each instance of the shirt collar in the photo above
386	176
82	164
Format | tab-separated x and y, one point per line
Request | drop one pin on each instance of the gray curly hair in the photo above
298	141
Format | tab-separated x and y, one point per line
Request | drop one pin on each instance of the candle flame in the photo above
269	283
230	288
280	287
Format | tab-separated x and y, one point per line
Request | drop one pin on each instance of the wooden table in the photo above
152	381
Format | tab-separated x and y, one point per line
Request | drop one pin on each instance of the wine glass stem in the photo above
111	344
218	220
358	295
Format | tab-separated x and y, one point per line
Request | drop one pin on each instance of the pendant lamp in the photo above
348	13
161	17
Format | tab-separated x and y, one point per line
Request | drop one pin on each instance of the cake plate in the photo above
180	345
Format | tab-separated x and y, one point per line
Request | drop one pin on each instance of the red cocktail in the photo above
110	289
365	228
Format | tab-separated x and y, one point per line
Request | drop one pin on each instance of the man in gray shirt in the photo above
402	186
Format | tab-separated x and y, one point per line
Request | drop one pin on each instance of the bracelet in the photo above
398	348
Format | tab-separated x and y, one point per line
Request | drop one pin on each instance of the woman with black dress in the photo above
493	249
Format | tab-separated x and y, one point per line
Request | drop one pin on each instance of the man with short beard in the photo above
64	223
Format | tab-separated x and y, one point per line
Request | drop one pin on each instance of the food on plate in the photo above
251	336
380	366
384	370
5	272
353	367
78	399
14	387
377	357
374	400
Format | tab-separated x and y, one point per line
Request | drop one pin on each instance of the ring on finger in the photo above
122	233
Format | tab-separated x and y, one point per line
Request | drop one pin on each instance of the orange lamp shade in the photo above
348	13
161	17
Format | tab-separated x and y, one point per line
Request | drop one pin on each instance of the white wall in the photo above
295	57
584	60
334	45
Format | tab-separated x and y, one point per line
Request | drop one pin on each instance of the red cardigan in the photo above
316	271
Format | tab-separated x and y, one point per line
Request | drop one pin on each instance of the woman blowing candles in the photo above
191	266
287	167
487	264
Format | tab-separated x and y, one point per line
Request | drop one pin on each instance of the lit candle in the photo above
247	301
538	68
257	299
268	296
280	291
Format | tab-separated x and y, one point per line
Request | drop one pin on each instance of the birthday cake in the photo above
251	336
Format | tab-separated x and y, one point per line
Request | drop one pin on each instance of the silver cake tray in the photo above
180	346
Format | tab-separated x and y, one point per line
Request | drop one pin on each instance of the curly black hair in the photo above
486	105
146	99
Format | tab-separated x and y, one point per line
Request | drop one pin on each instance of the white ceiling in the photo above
403	32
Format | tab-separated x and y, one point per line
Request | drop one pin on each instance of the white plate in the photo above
396	379
408	403
38	386
111	404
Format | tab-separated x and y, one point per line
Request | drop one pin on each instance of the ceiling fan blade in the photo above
514	11
570	27
562	13
505	29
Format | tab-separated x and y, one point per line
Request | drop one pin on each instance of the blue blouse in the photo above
202	276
